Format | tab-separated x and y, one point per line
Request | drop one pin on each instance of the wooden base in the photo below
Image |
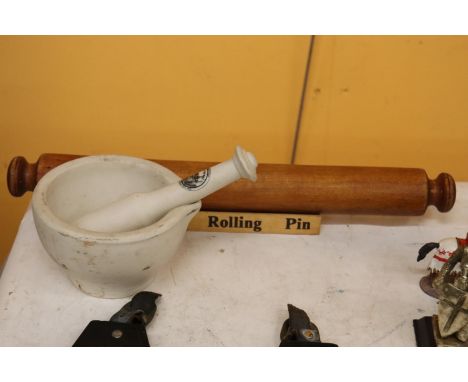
252	222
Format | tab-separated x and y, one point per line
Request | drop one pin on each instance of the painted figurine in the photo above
452	312
443	251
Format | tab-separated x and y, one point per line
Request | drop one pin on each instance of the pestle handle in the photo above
141	209
293	188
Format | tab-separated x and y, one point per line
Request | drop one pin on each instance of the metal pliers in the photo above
127	327
299	331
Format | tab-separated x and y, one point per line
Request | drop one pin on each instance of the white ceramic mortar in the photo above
109	265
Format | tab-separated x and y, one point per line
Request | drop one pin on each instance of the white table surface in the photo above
358	281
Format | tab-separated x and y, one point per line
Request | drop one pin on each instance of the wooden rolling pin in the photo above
293	188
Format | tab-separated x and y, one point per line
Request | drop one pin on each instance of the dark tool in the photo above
424	332
299	331
126	328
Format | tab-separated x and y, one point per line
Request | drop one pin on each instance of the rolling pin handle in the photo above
442	192
21	176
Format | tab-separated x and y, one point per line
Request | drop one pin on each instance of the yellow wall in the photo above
390	101
154	97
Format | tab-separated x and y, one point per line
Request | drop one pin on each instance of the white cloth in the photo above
358	281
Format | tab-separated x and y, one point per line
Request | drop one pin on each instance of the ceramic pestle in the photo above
142	209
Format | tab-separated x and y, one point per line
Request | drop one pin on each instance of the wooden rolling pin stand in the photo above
286	198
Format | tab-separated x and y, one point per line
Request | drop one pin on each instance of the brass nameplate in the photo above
252	222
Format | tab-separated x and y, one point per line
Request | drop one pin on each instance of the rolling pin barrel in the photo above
293	188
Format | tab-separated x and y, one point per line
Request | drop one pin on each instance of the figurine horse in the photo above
444	251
